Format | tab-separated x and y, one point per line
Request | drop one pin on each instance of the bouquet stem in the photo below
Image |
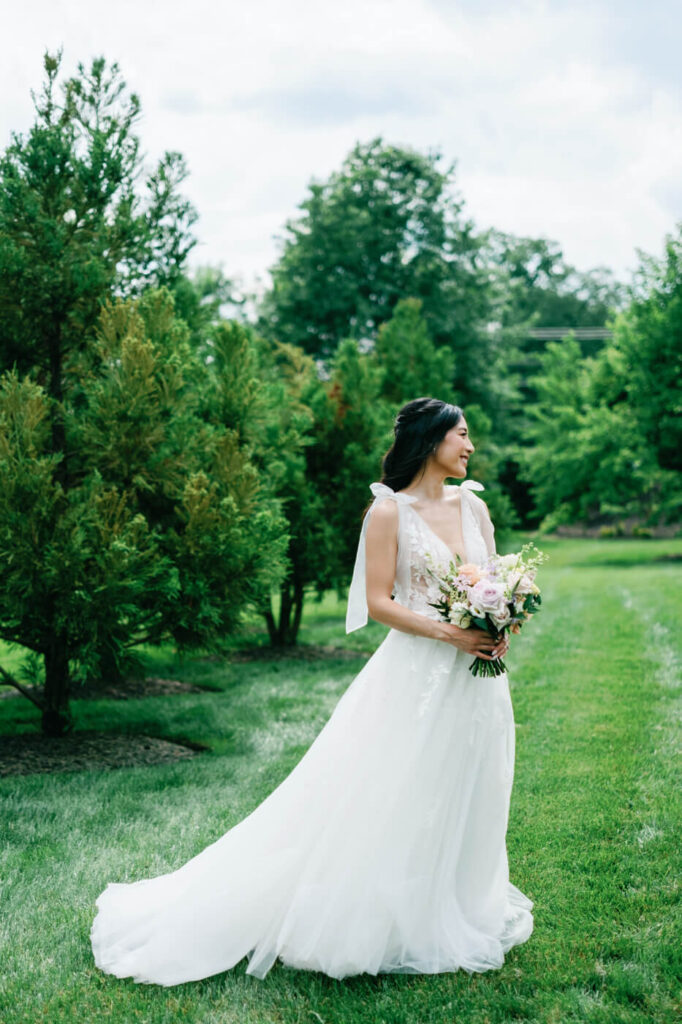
483	667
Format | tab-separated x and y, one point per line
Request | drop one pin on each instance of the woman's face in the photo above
453	452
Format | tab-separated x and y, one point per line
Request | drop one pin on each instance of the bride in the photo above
384	849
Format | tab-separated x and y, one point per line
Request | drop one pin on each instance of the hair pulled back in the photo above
419	428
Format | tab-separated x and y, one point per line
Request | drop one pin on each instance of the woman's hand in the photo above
473	640
502	646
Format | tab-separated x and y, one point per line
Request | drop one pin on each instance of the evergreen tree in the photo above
165	531
74	228
296	401
203	299
331	432
130	509
353	432
411	364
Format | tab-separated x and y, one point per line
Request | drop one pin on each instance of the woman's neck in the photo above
431	487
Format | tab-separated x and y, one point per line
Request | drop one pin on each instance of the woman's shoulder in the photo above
385	512
383	522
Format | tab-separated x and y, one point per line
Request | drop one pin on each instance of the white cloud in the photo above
560	125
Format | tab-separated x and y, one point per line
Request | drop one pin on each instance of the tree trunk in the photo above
298	612
284	614
57	718
271	624
285	632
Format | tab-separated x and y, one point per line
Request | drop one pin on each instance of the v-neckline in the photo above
439	538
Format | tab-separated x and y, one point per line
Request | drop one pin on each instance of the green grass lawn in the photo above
594	833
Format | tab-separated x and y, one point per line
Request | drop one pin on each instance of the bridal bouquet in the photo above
498	596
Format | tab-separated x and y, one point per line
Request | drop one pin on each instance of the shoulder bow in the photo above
383	491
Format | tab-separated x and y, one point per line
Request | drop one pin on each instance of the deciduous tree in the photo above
386	226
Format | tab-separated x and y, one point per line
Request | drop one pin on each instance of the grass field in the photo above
594	833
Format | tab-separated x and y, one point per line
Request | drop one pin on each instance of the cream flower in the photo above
460	615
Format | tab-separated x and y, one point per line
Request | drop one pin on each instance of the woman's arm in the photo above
381	555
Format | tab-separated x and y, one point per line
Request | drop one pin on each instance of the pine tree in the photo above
164	532
130	509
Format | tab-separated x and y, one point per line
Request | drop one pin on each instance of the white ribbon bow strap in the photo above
383	491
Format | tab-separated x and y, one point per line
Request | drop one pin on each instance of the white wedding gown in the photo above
384	849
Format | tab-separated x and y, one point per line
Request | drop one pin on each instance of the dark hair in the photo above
419	428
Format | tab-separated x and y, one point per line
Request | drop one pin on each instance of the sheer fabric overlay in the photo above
384	849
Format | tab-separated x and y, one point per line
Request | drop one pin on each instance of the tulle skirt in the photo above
382	851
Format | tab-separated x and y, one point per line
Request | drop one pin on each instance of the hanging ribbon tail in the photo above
356	611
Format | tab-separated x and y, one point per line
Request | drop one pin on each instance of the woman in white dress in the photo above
384	849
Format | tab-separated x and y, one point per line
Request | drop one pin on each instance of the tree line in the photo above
164	466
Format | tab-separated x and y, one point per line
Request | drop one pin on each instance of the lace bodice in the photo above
419	548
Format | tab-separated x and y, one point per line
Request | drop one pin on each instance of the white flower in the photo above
526	585
523	581
513	578
70	217
460	615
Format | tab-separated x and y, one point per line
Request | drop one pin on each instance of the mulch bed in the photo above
33	753
152	686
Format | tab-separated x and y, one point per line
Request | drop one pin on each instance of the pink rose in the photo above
488	597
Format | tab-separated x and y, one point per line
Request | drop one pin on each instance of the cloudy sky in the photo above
564	117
